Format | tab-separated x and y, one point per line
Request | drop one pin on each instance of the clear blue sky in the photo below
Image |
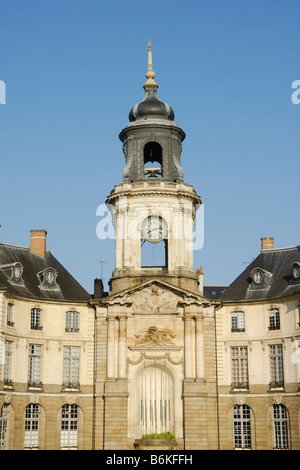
74	68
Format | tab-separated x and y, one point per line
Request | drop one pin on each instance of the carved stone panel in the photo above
154	299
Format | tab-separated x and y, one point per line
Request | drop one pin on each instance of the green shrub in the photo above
162	435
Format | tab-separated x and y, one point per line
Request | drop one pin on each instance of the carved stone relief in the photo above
155	337
154	299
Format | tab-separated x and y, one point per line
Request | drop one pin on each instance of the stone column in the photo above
122	347
119	240
199	349
111	348
188	348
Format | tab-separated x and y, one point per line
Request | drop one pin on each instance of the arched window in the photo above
280	423
69	427
153	163
32	415
156	401
4	426
241	427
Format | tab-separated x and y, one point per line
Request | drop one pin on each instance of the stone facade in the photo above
153	355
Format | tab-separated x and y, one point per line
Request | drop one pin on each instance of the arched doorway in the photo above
155	400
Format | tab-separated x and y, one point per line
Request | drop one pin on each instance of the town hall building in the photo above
161	354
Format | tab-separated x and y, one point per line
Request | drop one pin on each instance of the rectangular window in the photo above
72	321
239	367
36	319
71	361
237	321
276	366
274	318
10	309
35	365
8	363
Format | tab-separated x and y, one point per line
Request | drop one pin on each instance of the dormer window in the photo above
296	271
17	271
261	279
47	279
257	276
14	272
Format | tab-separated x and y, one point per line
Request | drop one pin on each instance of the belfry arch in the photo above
153	154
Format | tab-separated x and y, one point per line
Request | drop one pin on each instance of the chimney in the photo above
38	242
200	279
98	288
267	243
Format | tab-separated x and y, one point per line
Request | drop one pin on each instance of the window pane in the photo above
35	364
280	426
241	426
276	365
71	362
69	426
31	438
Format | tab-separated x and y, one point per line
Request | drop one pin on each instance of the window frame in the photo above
241	426
71	368
4	423
238	317
32	426
10	314
69	422
274	319
239	368
36	319
35	359
280	427
72	323
276	366
7	373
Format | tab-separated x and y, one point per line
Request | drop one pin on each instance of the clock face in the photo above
154	229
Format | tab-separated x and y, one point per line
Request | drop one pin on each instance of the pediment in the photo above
155	296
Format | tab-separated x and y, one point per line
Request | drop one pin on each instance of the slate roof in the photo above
213	292
276	263
67	288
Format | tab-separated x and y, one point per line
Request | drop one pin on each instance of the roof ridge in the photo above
14	246
281	249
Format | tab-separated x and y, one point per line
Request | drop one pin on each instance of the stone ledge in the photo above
155	444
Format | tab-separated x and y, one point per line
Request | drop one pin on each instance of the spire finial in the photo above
150	74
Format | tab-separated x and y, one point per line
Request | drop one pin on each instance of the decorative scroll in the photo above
144	356
154	336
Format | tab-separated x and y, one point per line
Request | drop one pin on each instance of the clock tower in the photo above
153	208
155	349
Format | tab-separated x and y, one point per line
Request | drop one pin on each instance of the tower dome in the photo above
151	106
152	141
